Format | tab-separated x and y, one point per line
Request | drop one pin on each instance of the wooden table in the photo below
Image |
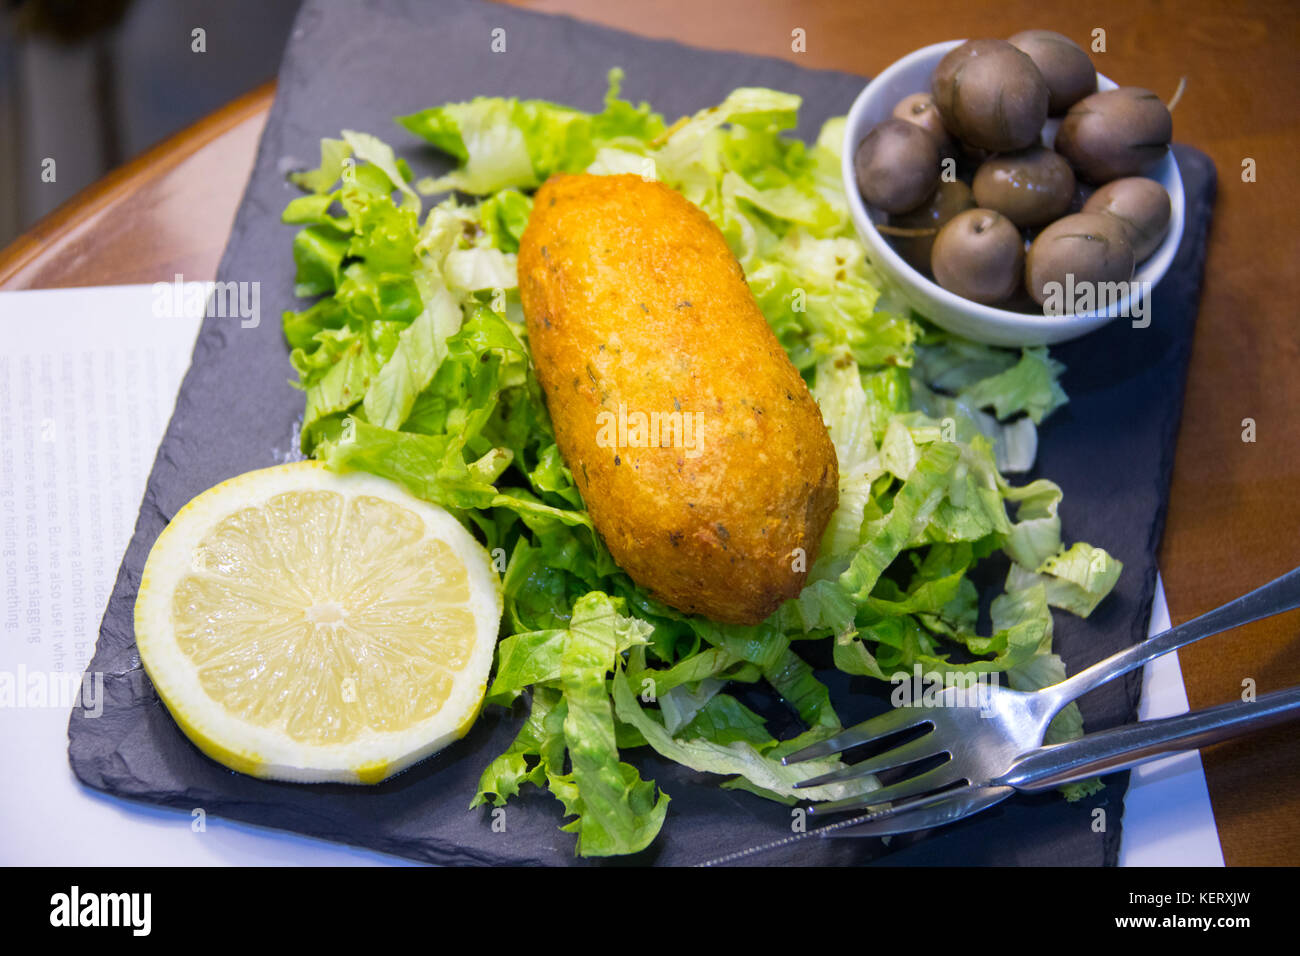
1234	509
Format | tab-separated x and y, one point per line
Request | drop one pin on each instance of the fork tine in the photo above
890	722
940	776
910	752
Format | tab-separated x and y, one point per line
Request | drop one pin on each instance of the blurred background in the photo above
92	83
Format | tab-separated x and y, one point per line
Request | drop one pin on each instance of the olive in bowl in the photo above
991	95
1084	248
914	232
1007	323
1141	205
919	109
1115	133
979	255
897	165
1066	67
1031	187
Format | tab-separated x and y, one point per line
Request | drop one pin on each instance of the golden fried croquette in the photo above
700	454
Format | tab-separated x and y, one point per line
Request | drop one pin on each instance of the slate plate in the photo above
1111	449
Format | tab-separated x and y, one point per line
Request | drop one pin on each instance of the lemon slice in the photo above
309	626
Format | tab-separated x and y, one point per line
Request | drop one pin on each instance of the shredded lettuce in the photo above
414	361
510	143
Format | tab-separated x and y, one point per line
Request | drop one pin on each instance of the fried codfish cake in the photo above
701	455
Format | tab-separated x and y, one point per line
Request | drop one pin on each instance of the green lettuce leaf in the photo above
1029	386
421	347
508	143
738	757
1076	580
621	813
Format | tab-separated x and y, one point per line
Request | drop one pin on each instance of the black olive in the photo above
991	95
1030	187
1086	247
920	110
1141	204
1067	70
980	256
1115	133
948	200
897	165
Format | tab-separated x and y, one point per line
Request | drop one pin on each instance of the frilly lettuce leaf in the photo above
621	813
739	756
507	143
1029	386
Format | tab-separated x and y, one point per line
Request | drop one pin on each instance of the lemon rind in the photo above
370	757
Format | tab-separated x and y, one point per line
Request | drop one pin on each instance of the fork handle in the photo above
1110	750
1282	594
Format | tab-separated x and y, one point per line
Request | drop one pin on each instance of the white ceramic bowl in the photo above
983	323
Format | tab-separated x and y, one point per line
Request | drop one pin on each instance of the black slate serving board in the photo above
356	66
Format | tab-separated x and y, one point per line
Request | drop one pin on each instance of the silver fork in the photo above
1088	756
1051	766
981	743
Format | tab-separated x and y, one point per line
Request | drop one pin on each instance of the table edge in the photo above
120	184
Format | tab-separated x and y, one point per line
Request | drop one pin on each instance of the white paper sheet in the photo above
88	378
1168	819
